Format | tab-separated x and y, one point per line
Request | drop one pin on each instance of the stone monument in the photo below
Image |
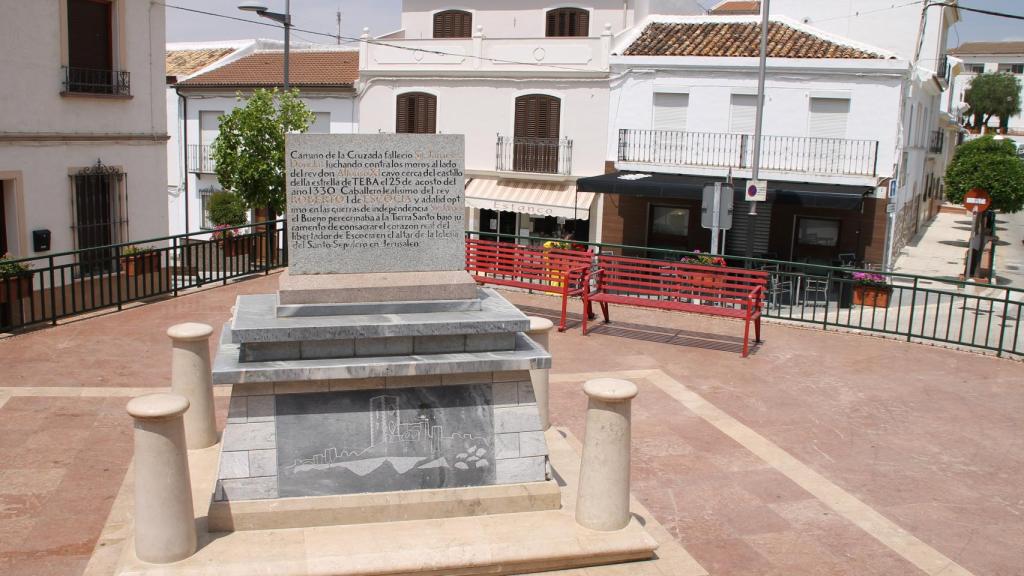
380	365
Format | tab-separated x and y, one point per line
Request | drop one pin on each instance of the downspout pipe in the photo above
184	149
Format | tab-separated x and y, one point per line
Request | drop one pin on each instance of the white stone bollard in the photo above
191	377
602	502
539	330
165	529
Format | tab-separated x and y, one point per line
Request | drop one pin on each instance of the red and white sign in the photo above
977	201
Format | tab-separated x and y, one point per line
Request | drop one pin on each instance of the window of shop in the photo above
568	22
817	240
668	227
416	113
453	24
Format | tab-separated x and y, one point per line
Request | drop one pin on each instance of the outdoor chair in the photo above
816	286
848	259
777	286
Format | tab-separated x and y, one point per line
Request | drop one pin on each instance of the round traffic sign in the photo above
977	201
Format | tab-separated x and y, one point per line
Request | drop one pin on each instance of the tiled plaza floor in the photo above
822	453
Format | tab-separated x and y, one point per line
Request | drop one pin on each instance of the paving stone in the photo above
254	436
516	419
506	445
532	444
249	488
237	411
270	351
263	462
526	395
234	465
490	342
314	349
439	344
505	394
511	470
384	346
260	408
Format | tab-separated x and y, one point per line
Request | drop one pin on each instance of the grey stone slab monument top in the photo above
373	203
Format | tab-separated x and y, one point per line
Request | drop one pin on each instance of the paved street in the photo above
810	457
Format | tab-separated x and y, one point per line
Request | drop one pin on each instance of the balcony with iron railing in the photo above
200	159
800	154
534	155
95	82
936	141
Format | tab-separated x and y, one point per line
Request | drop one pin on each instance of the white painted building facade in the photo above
82	126
988	58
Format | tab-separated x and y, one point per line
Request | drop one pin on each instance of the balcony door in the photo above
536	133
90	46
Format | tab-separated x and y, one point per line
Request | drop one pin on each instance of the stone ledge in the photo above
381	287
383	507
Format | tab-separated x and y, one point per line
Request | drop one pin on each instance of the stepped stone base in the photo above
381	287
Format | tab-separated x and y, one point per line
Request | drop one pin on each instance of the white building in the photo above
988	58
324	75
842	119
82	127
526	83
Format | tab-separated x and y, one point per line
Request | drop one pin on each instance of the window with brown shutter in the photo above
416	113
535	138
453	24
568	22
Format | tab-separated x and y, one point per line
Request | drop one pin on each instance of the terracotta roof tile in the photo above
185	62
989	48
736	39
265	69
737	7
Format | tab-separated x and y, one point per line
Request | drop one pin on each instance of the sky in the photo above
382	16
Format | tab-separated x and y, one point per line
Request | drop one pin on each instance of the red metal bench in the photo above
712	290
552	270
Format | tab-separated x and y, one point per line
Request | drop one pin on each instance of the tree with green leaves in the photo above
249	151
226	209
991	165
993	95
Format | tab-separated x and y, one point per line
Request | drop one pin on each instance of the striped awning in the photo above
534	198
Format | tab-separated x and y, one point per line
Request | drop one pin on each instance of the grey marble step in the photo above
256	320
227	369
376	308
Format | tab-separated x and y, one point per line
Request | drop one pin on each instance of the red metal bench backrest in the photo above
663	278
489	257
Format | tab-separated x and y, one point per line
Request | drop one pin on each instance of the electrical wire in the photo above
339	37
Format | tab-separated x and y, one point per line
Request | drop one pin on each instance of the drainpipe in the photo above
184	148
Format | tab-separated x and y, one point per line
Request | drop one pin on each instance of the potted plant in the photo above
227	212
138	260
699	259
15	279
870	289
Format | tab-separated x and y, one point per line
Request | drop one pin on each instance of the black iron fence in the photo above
200	159
905	306
93	81
979	317
540	155
65	284
828	156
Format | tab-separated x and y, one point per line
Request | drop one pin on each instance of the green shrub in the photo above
227	209
991	165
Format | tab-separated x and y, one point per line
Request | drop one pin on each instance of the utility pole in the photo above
339	24
755	169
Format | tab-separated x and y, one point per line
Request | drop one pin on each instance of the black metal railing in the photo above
911	308
936	141
200	159
825	156
93	81
538	155
68	283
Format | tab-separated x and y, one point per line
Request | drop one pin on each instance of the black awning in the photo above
657	185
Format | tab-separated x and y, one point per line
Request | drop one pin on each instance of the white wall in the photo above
503	19
963	81
344	120
482	109
874	102
73	131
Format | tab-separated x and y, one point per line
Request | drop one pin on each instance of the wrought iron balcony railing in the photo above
538	155
937	141
825	156
200	159
91	81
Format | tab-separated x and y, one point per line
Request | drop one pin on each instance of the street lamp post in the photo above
756	160
285	19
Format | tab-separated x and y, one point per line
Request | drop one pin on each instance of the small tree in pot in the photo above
227	211
15	279
870	289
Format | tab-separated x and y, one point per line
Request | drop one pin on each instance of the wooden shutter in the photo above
416	113
90	35
536	132
568	22
453	24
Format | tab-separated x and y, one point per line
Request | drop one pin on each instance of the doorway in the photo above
535	138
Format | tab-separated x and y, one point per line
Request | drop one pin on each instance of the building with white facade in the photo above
988	58
848	136
82	128
324	75
526	83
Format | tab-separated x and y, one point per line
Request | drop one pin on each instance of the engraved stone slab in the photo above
384	440
367	203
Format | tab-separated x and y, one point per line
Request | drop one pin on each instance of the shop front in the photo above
524	208
800	222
